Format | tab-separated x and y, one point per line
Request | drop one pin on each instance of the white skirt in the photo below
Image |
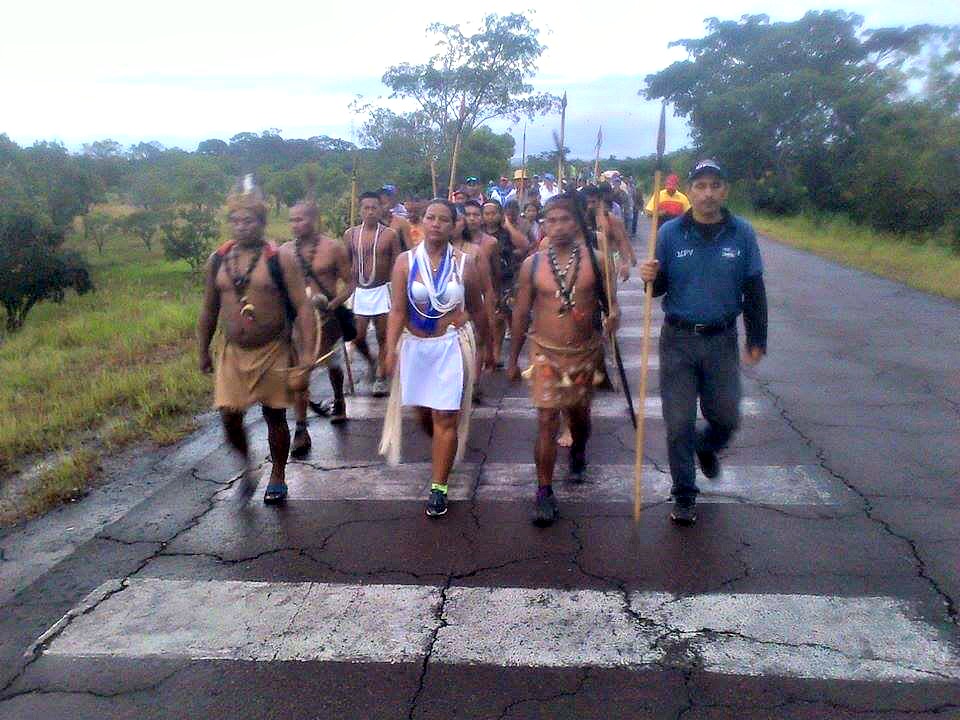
370	302
431	371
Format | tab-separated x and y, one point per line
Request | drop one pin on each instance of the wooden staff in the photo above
353	222
456	149
353	189
647	315
561	160
433	173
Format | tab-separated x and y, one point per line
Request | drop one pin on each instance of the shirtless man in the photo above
323	261
393	219
619	242
373	247
253	288
511	249
565	291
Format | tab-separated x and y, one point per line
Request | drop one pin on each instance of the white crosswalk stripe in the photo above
804	636
758	484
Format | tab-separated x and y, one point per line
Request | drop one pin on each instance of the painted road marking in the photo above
604	406
807	636
509	482
756	484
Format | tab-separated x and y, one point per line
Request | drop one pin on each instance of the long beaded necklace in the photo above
240	282
363	280
565	291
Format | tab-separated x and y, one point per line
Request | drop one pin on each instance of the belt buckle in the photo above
699	328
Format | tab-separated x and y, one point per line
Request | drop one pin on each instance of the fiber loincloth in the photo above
247	376
562	377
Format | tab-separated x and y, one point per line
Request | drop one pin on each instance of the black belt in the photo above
702	328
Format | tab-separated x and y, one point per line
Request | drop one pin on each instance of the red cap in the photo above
673	182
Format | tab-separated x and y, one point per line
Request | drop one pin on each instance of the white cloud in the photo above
184	71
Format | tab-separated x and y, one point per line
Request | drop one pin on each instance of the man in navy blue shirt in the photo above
709	271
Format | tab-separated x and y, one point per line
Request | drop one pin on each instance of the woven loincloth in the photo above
563	377
247	376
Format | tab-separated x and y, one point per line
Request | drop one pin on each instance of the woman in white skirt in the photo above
436	305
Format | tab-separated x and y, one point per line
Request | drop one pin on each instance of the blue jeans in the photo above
696	366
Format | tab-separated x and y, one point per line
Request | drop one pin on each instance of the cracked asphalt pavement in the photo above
862	384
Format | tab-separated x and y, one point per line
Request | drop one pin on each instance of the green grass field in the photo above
98	372
923	263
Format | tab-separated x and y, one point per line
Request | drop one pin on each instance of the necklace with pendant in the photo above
240	281
565	290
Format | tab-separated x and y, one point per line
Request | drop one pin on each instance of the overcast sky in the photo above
181	72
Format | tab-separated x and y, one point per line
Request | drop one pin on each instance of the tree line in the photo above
824	114
818	114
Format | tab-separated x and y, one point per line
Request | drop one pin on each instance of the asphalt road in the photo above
821	581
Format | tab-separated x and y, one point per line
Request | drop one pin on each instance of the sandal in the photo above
275	494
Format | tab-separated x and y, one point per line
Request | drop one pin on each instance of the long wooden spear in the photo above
353	222
647	315
523	170
353	189
561	159
596	162
456	147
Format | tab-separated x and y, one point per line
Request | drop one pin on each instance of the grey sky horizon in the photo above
104	69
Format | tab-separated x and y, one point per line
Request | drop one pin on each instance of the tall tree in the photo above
475	78
788	96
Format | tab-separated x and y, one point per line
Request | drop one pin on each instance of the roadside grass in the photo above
924	263
102	371
64	481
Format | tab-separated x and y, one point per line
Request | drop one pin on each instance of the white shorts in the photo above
369	302
431	371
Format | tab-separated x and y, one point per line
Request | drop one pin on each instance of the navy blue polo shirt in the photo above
705	277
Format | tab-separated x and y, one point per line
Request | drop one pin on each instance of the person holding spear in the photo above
708	269
563	286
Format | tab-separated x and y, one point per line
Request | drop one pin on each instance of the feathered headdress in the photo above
247	196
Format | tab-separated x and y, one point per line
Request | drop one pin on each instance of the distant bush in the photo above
777	194
33	268
189	236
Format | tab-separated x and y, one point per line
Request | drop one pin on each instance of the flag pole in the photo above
647	316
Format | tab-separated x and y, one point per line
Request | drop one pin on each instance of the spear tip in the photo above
662	134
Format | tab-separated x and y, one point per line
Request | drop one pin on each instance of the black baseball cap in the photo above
709	165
